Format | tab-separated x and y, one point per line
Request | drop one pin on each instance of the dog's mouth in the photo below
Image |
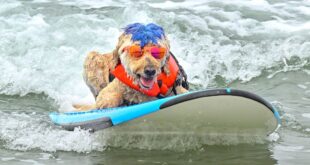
146	82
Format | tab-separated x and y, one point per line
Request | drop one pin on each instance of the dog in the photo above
141	68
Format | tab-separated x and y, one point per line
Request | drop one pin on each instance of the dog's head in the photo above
143	50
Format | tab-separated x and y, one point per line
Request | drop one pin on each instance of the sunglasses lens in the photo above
135	51
158	52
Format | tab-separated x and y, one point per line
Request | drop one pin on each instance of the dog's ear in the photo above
166	66
116	55
115	58
165	43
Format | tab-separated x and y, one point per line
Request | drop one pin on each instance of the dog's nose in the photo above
149	72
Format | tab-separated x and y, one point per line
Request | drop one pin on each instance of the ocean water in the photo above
256	45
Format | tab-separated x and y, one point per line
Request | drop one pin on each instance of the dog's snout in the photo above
149	72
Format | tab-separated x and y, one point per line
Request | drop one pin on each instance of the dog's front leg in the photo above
110	96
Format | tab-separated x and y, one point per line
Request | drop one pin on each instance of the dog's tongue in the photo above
147	82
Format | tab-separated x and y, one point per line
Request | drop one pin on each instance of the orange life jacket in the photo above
164	81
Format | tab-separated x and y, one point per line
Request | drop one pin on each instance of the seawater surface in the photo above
256	45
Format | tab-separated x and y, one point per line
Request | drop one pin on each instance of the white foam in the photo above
177	5
7	158
287	26
289	148
44	52
307	115
9	5
273	137
302	86
304	10
24	132
93	3
37	56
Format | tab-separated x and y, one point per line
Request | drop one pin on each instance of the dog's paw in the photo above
108	101
107	104
80	107
180	90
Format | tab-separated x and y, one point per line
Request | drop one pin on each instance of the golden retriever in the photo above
141	68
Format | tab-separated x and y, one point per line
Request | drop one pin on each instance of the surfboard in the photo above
217	111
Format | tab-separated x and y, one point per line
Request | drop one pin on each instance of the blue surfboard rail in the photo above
114	115
117	115
104	118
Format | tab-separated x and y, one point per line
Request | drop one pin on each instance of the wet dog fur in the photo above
113	93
